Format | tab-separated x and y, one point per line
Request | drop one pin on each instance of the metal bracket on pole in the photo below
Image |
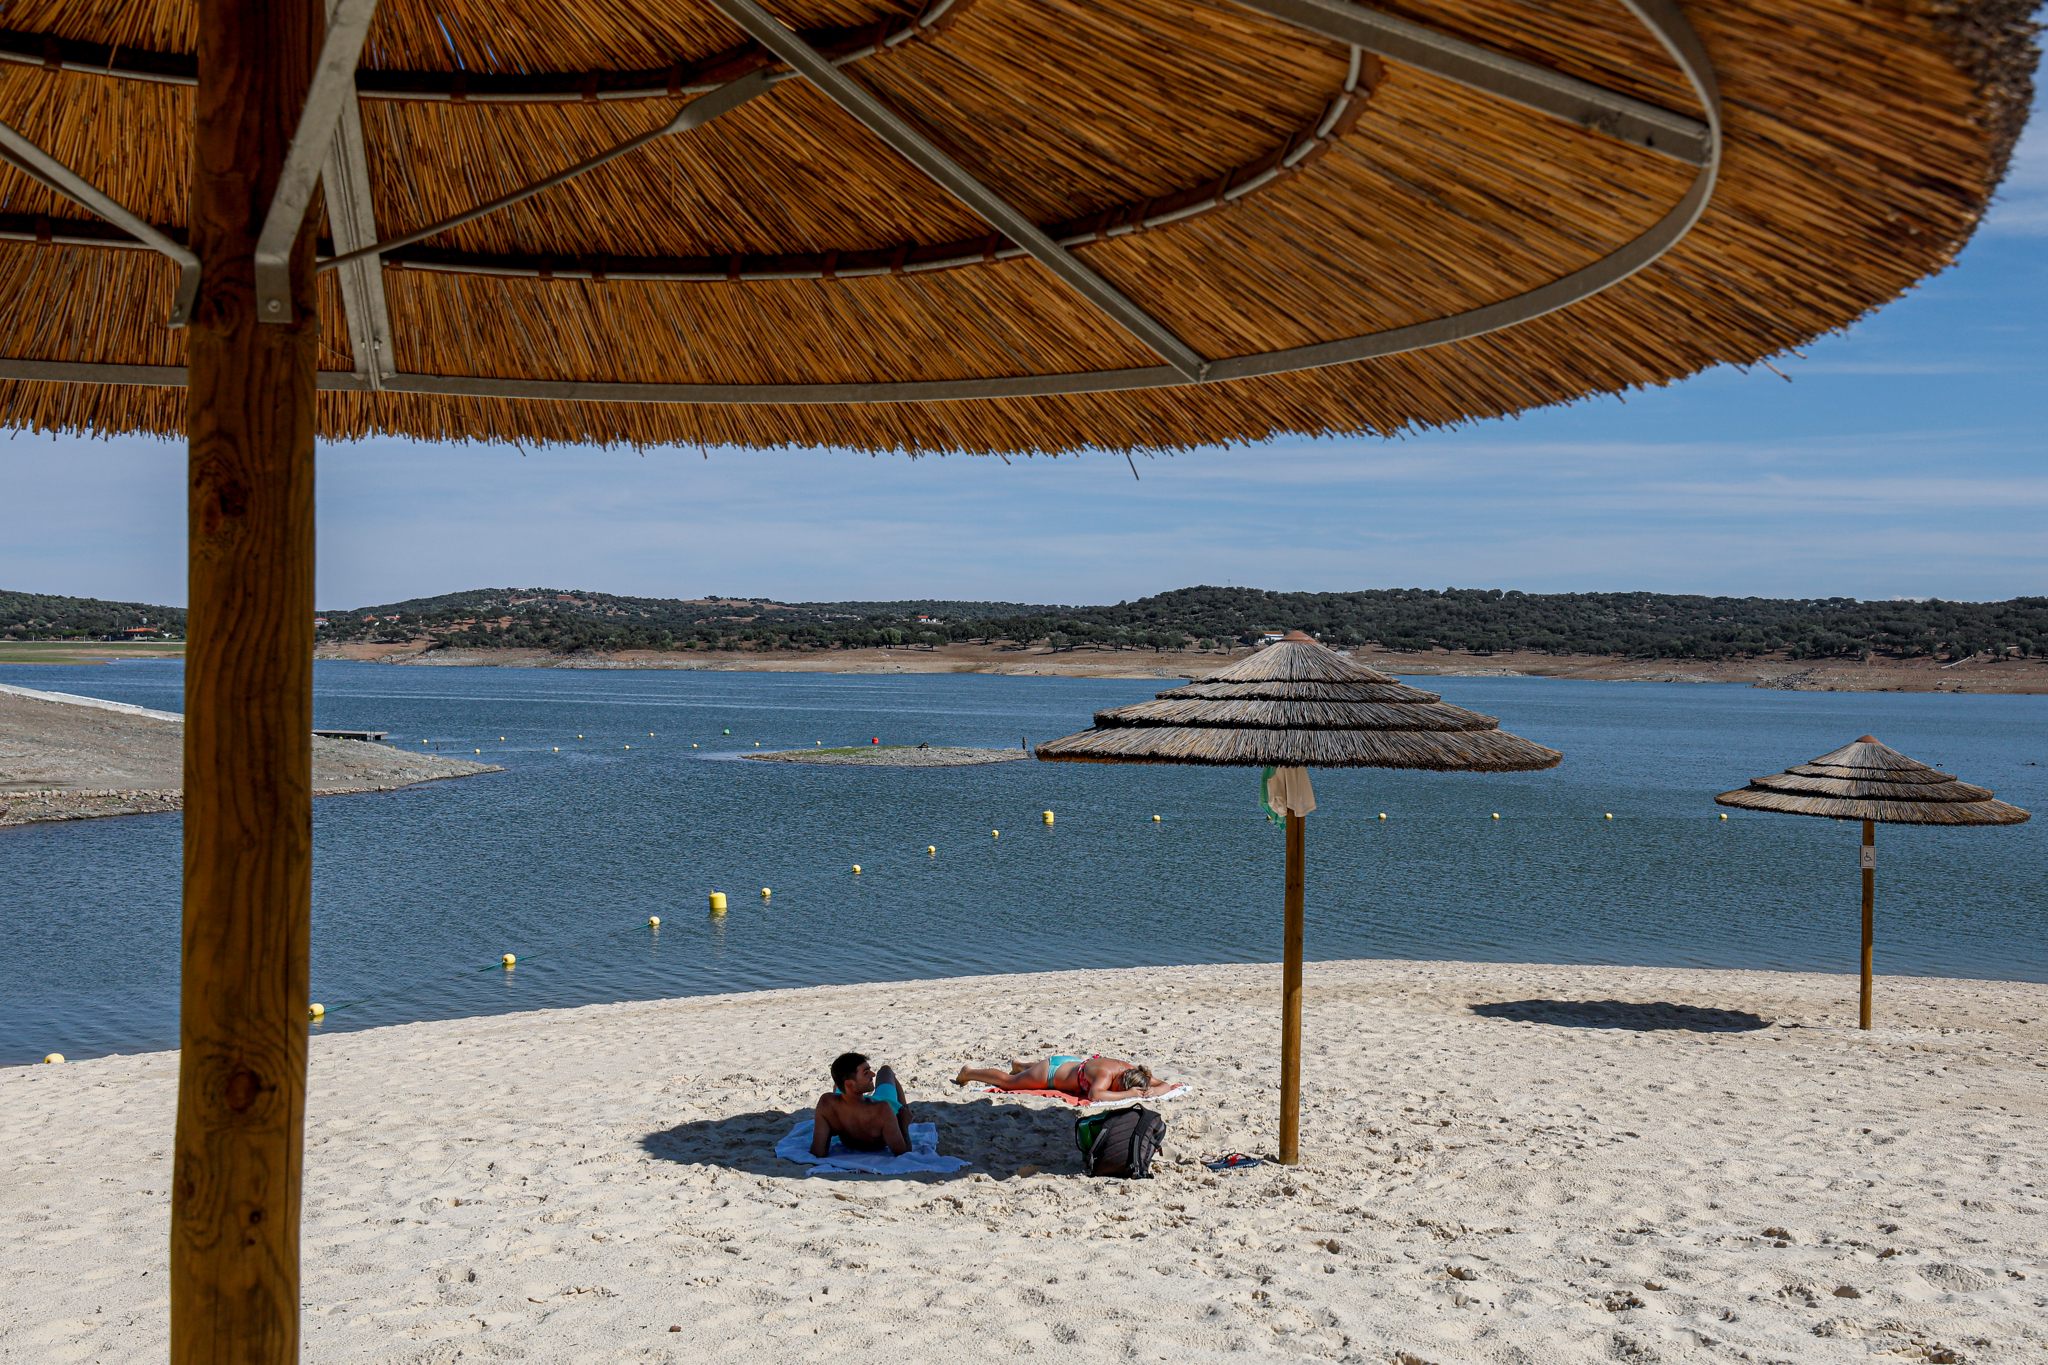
765	29
1495	73
334	84
55	175
351	215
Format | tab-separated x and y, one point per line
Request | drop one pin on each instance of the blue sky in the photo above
1905	458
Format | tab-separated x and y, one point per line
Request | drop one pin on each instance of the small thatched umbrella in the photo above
1869	782
1289	707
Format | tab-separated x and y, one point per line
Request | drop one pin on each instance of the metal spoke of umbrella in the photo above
886	124
1876	784
1295	705
24	155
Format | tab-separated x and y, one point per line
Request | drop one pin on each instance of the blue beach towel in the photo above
922	1156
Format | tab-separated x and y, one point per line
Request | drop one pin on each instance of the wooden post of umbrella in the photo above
1290	992
1874	783
234	1251
1869	916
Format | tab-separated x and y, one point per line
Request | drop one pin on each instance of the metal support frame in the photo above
1664	18
352	217
713	101
55	175
765	29
334	85
694	115
1495	73
122	61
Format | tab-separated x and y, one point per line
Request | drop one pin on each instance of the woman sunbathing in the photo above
1088	1079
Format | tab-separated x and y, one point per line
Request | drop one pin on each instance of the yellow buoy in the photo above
995	834
558	748
757	744
766	893
856	869
315	1010
501	739
654	921
509	960
54	1058
479	750
1155	819
650	734
1496	815
1048	817
1610	815
693	746
1383	815
1724	815
932	849
718	902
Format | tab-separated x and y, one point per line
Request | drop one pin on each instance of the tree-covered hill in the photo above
1477	620
36	616
674	613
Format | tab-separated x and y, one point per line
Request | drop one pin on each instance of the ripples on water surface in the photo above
420	885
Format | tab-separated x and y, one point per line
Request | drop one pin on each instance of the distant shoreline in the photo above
892	756
2005	677
2014	677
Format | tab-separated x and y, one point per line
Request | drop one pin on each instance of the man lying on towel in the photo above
866	1110
1089	1079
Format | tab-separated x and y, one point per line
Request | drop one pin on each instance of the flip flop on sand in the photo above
1234	1161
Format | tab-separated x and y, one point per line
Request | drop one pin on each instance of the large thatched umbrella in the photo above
1876	784
966	225
1292	706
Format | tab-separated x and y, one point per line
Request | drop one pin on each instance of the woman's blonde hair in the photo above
1134	1078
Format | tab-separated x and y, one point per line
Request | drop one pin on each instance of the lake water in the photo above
562	858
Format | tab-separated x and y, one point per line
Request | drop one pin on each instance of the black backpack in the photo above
1121	1142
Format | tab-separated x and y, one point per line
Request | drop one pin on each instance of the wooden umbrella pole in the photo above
1869	913
1290	994
234	1249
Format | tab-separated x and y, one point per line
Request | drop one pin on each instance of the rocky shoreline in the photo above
65	757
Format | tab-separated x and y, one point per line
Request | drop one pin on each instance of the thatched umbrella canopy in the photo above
1294	705
982	225
1876	784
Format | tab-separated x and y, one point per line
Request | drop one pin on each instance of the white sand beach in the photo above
1502	1163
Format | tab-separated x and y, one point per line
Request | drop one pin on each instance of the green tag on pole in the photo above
1265	791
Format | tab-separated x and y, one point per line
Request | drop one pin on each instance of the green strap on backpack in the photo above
1087	1129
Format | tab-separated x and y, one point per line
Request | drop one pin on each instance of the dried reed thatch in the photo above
1867	780
1299	704
1251	185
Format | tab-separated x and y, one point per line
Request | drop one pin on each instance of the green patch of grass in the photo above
95	646
66	652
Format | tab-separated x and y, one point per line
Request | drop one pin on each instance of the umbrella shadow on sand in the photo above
997	1136
1643	1017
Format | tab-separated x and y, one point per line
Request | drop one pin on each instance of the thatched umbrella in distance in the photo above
1871	782
1295	705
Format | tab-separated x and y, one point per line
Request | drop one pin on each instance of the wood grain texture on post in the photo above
1290	992
1869	860
234	1252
